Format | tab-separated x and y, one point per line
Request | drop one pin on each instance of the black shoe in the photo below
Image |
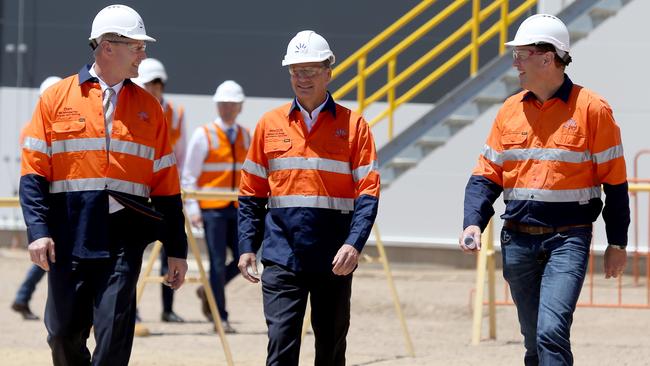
205	307
227	328
171	317
24	310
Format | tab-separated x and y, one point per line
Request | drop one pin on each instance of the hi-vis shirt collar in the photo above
330	105
563	92
84	75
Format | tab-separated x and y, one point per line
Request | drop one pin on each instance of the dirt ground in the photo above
435	301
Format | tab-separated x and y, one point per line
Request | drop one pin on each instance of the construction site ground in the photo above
436	303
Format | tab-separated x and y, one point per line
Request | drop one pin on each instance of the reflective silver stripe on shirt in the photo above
609	154
98	184
545	195
34	144
255	169
334	203
363	171
327	165
214	137
132	148
565	156
72	145
220	167
164	162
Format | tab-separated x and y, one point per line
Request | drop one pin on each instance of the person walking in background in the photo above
153	77
214	160
35	273
308	196
551	149
95	152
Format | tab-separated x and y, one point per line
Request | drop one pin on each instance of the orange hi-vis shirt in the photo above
221	169
550	160
174	115
68	174
306	193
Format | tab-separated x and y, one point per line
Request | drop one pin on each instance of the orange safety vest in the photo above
175	118
222	165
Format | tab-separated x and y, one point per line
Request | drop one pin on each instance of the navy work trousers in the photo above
93	292
545	274
285	299
220	227
26	289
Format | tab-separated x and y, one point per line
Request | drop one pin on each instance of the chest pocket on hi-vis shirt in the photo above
514	140
574	141
275	148
67	129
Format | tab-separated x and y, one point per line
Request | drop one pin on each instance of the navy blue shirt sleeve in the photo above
365	212
252	212
616	213
480	194
173	234
34	196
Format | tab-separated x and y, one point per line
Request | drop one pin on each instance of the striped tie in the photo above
109	108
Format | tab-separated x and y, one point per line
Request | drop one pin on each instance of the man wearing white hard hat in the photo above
552	148
215	156
308	197
98	183
153	77
35	273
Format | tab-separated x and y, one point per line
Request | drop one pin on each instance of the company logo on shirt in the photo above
143	116
571	124
341	133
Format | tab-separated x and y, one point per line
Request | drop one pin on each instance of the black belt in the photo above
540	230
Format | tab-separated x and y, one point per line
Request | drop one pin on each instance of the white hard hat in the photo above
150	69
48	82
308	46
229	91
119	19
543	28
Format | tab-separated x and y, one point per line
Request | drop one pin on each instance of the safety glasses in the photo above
133	46
521	55
306	72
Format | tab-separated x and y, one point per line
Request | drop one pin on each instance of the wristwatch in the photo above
619	247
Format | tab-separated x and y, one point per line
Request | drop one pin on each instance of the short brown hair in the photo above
559	61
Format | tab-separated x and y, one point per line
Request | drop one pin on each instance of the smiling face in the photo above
531	64
123	56
309	81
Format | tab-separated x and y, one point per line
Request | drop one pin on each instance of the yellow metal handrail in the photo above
389	59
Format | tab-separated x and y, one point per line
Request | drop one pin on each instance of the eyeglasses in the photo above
133	46
521	55
305	72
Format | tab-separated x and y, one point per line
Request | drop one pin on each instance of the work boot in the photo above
24	310
227	328
171	317
205	307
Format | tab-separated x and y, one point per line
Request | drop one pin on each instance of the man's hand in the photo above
345	260
196	221
248	267
176	274
39	250
474	232
614	261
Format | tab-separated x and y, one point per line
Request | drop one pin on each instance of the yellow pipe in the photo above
503	35
361	87
476	23
392	64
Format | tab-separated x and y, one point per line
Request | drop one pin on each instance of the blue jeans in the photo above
545	274
220	227
28	286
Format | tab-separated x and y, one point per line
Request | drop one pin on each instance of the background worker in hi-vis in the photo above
95	152
308	196
551	149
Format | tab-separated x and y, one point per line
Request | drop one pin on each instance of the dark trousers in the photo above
167	294
93	292
220	227
285	299
28	286
545	274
